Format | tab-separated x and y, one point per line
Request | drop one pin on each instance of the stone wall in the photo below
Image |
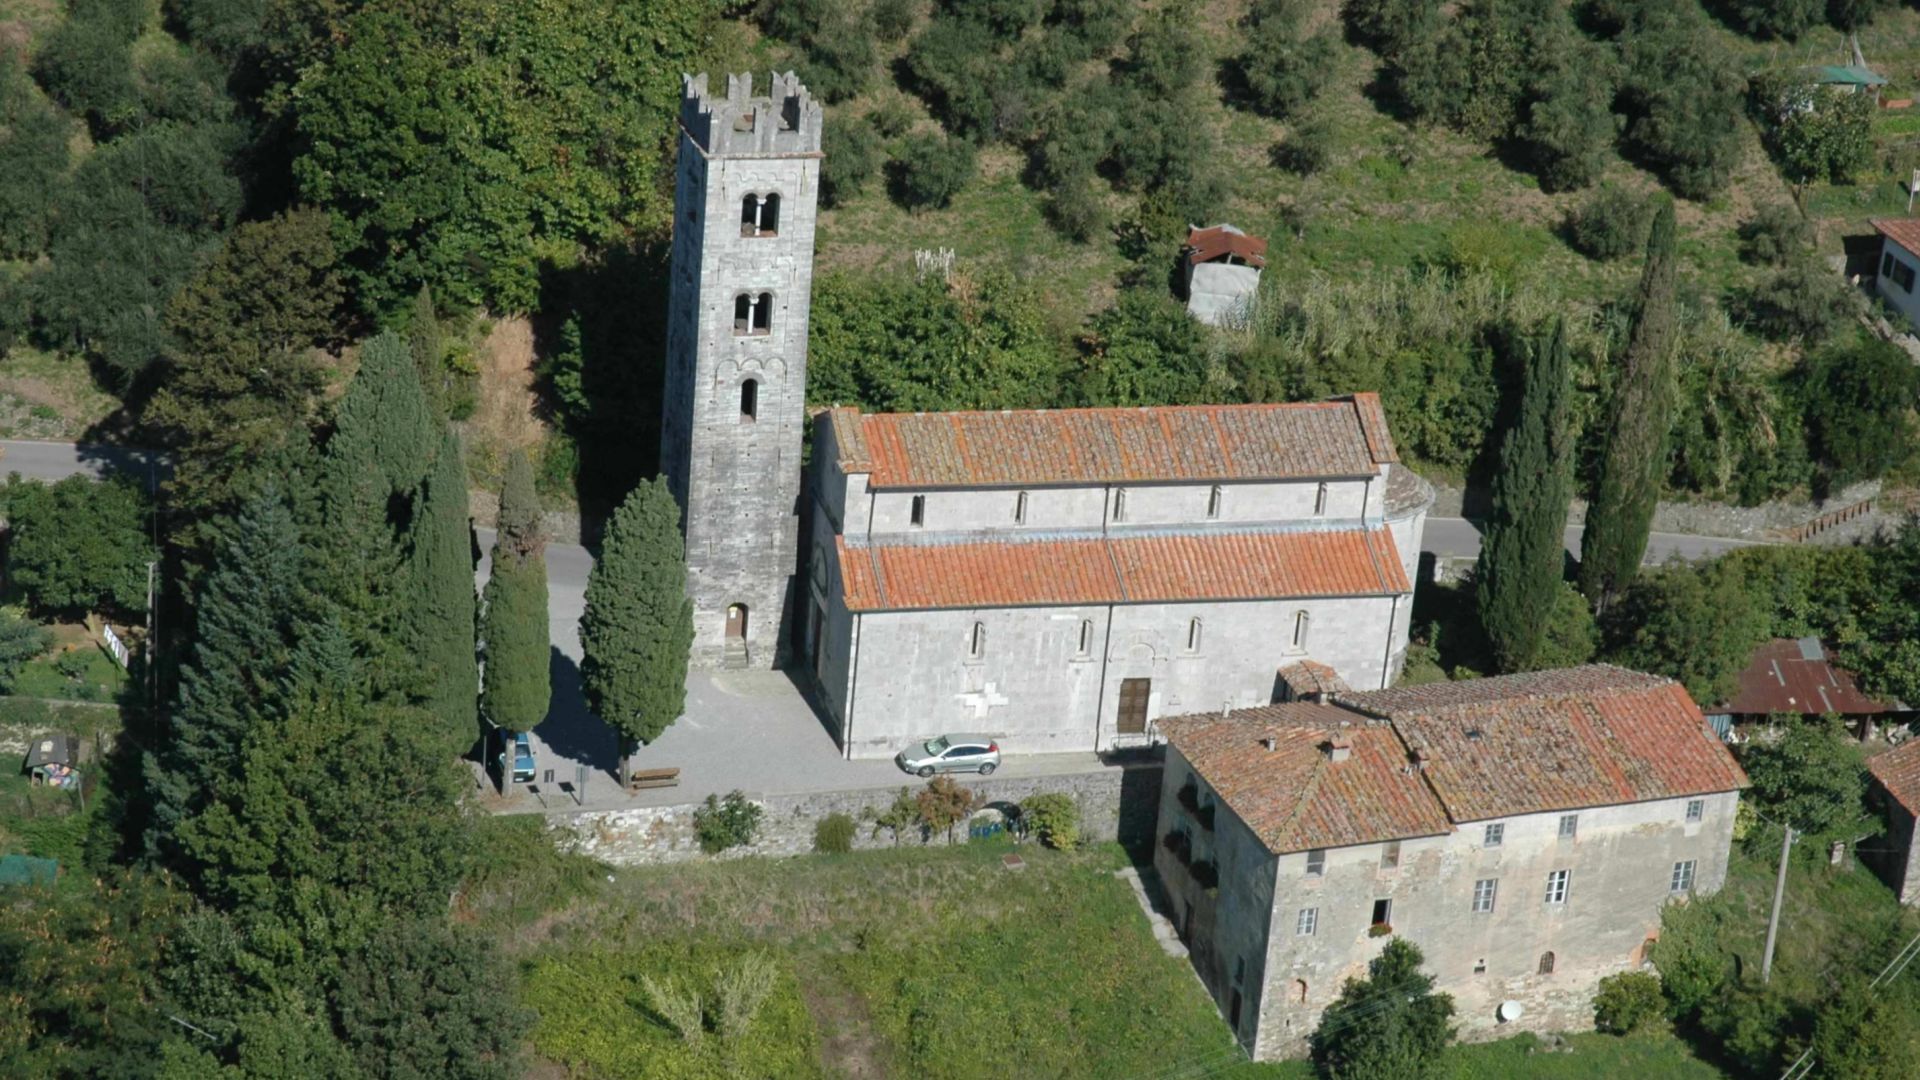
1116	802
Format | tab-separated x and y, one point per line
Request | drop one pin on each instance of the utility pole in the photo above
1773	920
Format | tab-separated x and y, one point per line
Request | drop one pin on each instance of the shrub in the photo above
1611	224
739	990
1283	67
853	155
931	169
892	18
901	815
722	824
680	1007
892	118
1775	235
1856	401
1805	301
1307	149
1054	819
1814	132
833	834
1627	1002
943	805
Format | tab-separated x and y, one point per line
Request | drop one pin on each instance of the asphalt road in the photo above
56	460
1460	537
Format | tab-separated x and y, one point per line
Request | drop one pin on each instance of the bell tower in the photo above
735	404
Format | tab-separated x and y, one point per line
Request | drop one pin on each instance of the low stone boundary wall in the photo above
1116	803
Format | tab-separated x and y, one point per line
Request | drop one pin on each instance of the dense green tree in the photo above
245	615
1805	302
930	170
1682	93
80	544
1145	350
1390	27
1523	552
86	62
440	611
1864	1032
422	1000
1816	133
1634	461
1854	14
854	153
517	686
1390	1023
1566	121
459	145
1773	18
1777	234
1811	777
35	141
638	624
1283	66
1858	400
240	385
1696	626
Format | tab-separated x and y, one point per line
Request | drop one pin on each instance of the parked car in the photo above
516	750
951	753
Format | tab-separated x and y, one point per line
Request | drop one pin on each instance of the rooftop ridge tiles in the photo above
952	537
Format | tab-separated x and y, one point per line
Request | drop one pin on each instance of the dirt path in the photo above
849	1047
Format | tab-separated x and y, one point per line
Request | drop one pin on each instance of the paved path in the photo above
1461	537
56	460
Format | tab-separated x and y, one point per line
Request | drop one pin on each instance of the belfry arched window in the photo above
760	215
752	313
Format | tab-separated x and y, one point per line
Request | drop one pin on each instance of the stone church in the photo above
1058	579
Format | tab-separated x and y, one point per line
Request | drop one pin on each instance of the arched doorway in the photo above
736	622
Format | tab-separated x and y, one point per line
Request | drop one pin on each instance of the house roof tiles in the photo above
1898	771
1902	231
1192	443
1556	740
1294	796
1153	567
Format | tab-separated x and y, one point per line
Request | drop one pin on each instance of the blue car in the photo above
519	749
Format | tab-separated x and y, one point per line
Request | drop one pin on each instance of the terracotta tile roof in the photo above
1187	443
1555	740
1206	245
1789	675
1294	797
1308	677
1898	770
1902	231
1121	568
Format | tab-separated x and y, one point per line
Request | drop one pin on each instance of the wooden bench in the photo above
652	778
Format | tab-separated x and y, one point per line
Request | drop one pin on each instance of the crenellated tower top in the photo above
783	123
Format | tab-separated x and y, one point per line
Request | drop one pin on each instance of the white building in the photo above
1899	262
1524	831
1061	578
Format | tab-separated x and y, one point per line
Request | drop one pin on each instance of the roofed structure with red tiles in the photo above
1898	771
1120	568
1291	791
1342	438
1222	241
1796	675
1555	740
1902	231
1311	680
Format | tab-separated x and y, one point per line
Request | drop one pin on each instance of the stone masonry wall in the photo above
1115	803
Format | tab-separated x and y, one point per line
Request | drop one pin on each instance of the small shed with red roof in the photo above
1222	271
1895	789
1797	677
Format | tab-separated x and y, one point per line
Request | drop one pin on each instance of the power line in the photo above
1803	1065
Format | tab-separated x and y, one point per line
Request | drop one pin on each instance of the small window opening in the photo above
1086	636
1119	504
977	647
1546	963
1390	855
1316	862
1213	502
742	313
917	514
1696	809
1299	630
1020	509
1494	835
1320	501
1480	966
763	313
760	215
1569	826
749	400
1383	912
1300	991
1193	635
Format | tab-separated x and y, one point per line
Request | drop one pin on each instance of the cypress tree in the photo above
1635	456
638	624
244	617
442	609
1521	555
517	684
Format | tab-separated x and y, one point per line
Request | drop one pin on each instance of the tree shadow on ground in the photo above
571	730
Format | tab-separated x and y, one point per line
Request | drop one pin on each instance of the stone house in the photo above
1524	831
1894	787
1059	579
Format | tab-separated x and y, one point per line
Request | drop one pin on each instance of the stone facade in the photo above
735	404
1116	803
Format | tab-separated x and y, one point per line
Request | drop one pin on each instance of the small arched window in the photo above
1299	630
749	401
1020	509
1119	504
1546	963
763	313
1086	637
742	313
1320	501
977	646
760	215
1193	635
1214	499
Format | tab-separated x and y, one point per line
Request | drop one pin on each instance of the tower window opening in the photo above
742	313
749	401
763	313
917	511
760	215
752	313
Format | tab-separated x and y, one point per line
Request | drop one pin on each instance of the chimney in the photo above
1270	742
1339	747
1419	759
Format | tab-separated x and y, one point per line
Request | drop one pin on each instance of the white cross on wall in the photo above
982	700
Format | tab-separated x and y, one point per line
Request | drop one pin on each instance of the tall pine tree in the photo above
517	685
441	610
244	618
1635	457
1521	556
638	624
